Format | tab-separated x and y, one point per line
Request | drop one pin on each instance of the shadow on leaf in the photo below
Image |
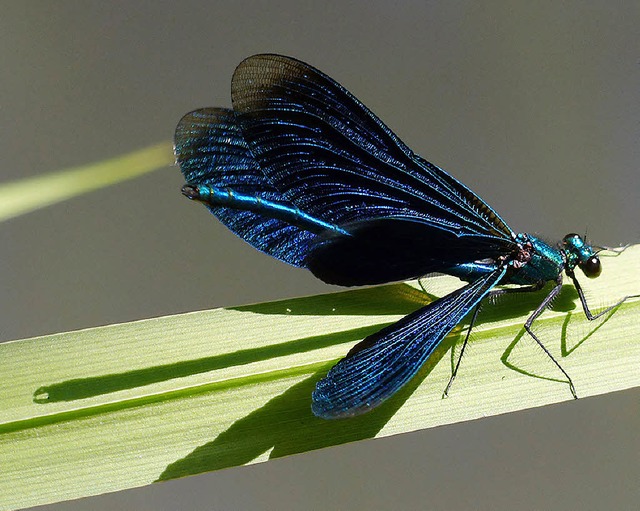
285	425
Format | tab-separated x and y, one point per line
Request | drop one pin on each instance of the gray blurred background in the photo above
534	105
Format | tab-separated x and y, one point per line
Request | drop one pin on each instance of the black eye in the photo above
591	267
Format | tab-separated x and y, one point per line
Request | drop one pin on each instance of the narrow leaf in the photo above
24	196
115	407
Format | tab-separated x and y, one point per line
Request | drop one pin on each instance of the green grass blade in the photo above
24	196
104	409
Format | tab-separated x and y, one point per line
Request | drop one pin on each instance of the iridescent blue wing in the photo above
381	364
334	159
211	150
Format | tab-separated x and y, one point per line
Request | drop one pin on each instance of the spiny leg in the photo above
583	300
492	294
464	345
534	315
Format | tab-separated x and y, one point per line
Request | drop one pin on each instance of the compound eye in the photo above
591	267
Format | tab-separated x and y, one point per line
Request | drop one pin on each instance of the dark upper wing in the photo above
380	365
211	150
334	159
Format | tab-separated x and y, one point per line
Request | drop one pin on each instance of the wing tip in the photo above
324	406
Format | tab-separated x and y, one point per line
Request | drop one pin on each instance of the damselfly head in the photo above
579	253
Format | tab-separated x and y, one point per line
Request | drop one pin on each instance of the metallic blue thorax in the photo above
535	262
546	262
